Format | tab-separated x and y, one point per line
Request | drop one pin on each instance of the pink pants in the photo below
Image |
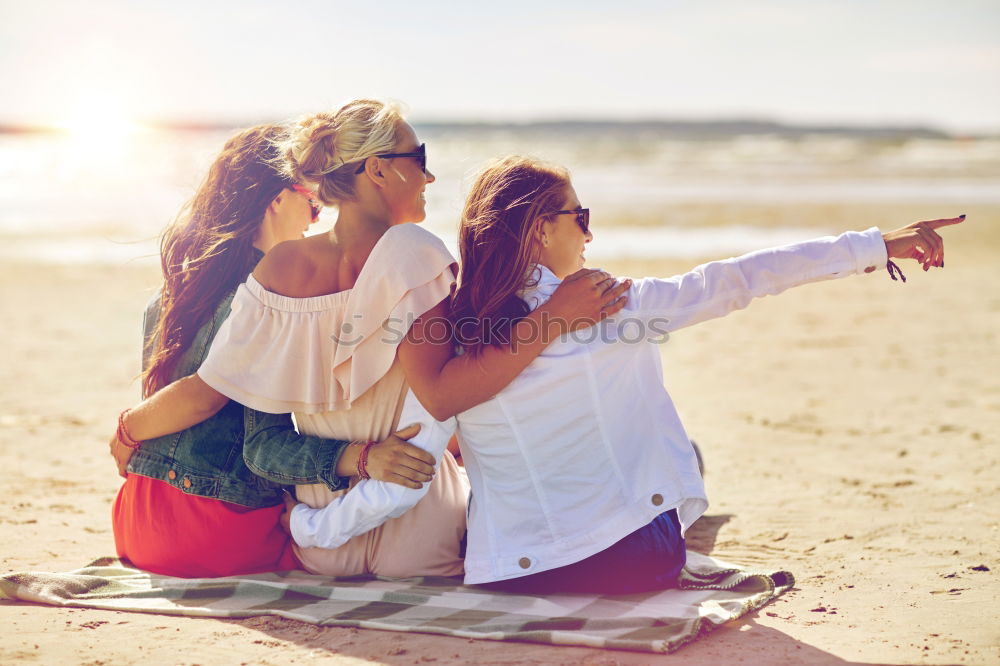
424	541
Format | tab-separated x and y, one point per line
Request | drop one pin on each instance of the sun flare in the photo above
99	123
99	133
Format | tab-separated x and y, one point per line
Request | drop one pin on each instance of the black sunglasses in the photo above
582	217
420	153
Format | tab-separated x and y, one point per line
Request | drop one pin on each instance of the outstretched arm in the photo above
446	384
719	287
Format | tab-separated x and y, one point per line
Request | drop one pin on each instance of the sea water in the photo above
101	199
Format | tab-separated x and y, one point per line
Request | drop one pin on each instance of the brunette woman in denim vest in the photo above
207	500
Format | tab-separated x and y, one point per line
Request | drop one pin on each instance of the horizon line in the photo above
718	125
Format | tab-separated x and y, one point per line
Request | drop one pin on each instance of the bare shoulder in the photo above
294	268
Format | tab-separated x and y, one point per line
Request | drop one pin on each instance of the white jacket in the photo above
585	446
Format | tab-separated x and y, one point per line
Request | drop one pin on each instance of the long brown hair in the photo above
208	249
496	244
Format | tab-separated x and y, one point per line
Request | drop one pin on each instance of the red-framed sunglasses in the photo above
315	205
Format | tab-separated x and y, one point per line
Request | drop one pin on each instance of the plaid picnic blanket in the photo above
710	593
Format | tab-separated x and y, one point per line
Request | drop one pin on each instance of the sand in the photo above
850	430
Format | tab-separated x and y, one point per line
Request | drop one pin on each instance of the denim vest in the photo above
239	455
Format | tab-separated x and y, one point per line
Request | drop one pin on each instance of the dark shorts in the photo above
648	559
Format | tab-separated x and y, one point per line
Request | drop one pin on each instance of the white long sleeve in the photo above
719	287
370	503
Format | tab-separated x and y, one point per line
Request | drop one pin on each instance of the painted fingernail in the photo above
962	216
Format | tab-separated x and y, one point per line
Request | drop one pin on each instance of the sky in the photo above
853	62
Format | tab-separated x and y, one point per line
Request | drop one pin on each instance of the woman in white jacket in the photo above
583	478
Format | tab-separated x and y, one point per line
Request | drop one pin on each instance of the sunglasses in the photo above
315	205
420	154
582	217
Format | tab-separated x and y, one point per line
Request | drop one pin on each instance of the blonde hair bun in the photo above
327	148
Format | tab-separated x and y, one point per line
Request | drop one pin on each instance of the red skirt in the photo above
164	530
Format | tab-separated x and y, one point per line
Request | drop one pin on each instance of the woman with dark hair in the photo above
583	478
192	504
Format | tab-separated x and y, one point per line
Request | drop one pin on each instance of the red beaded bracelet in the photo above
123	434
363	460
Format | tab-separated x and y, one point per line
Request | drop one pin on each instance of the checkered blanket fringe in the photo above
710	593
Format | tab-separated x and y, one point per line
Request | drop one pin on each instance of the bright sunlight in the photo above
98	125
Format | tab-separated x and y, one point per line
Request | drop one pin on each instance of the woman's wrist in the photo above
366	447
354	460
123	433
347	464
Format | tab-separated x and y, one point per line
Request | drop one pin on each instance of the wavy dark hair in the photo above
497	247
208	249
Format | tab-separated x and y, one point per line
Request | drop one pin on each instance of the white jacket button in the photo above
524	562
656	499
869	269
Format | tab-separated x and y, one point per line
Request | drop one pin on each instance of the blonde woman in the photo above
335	327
